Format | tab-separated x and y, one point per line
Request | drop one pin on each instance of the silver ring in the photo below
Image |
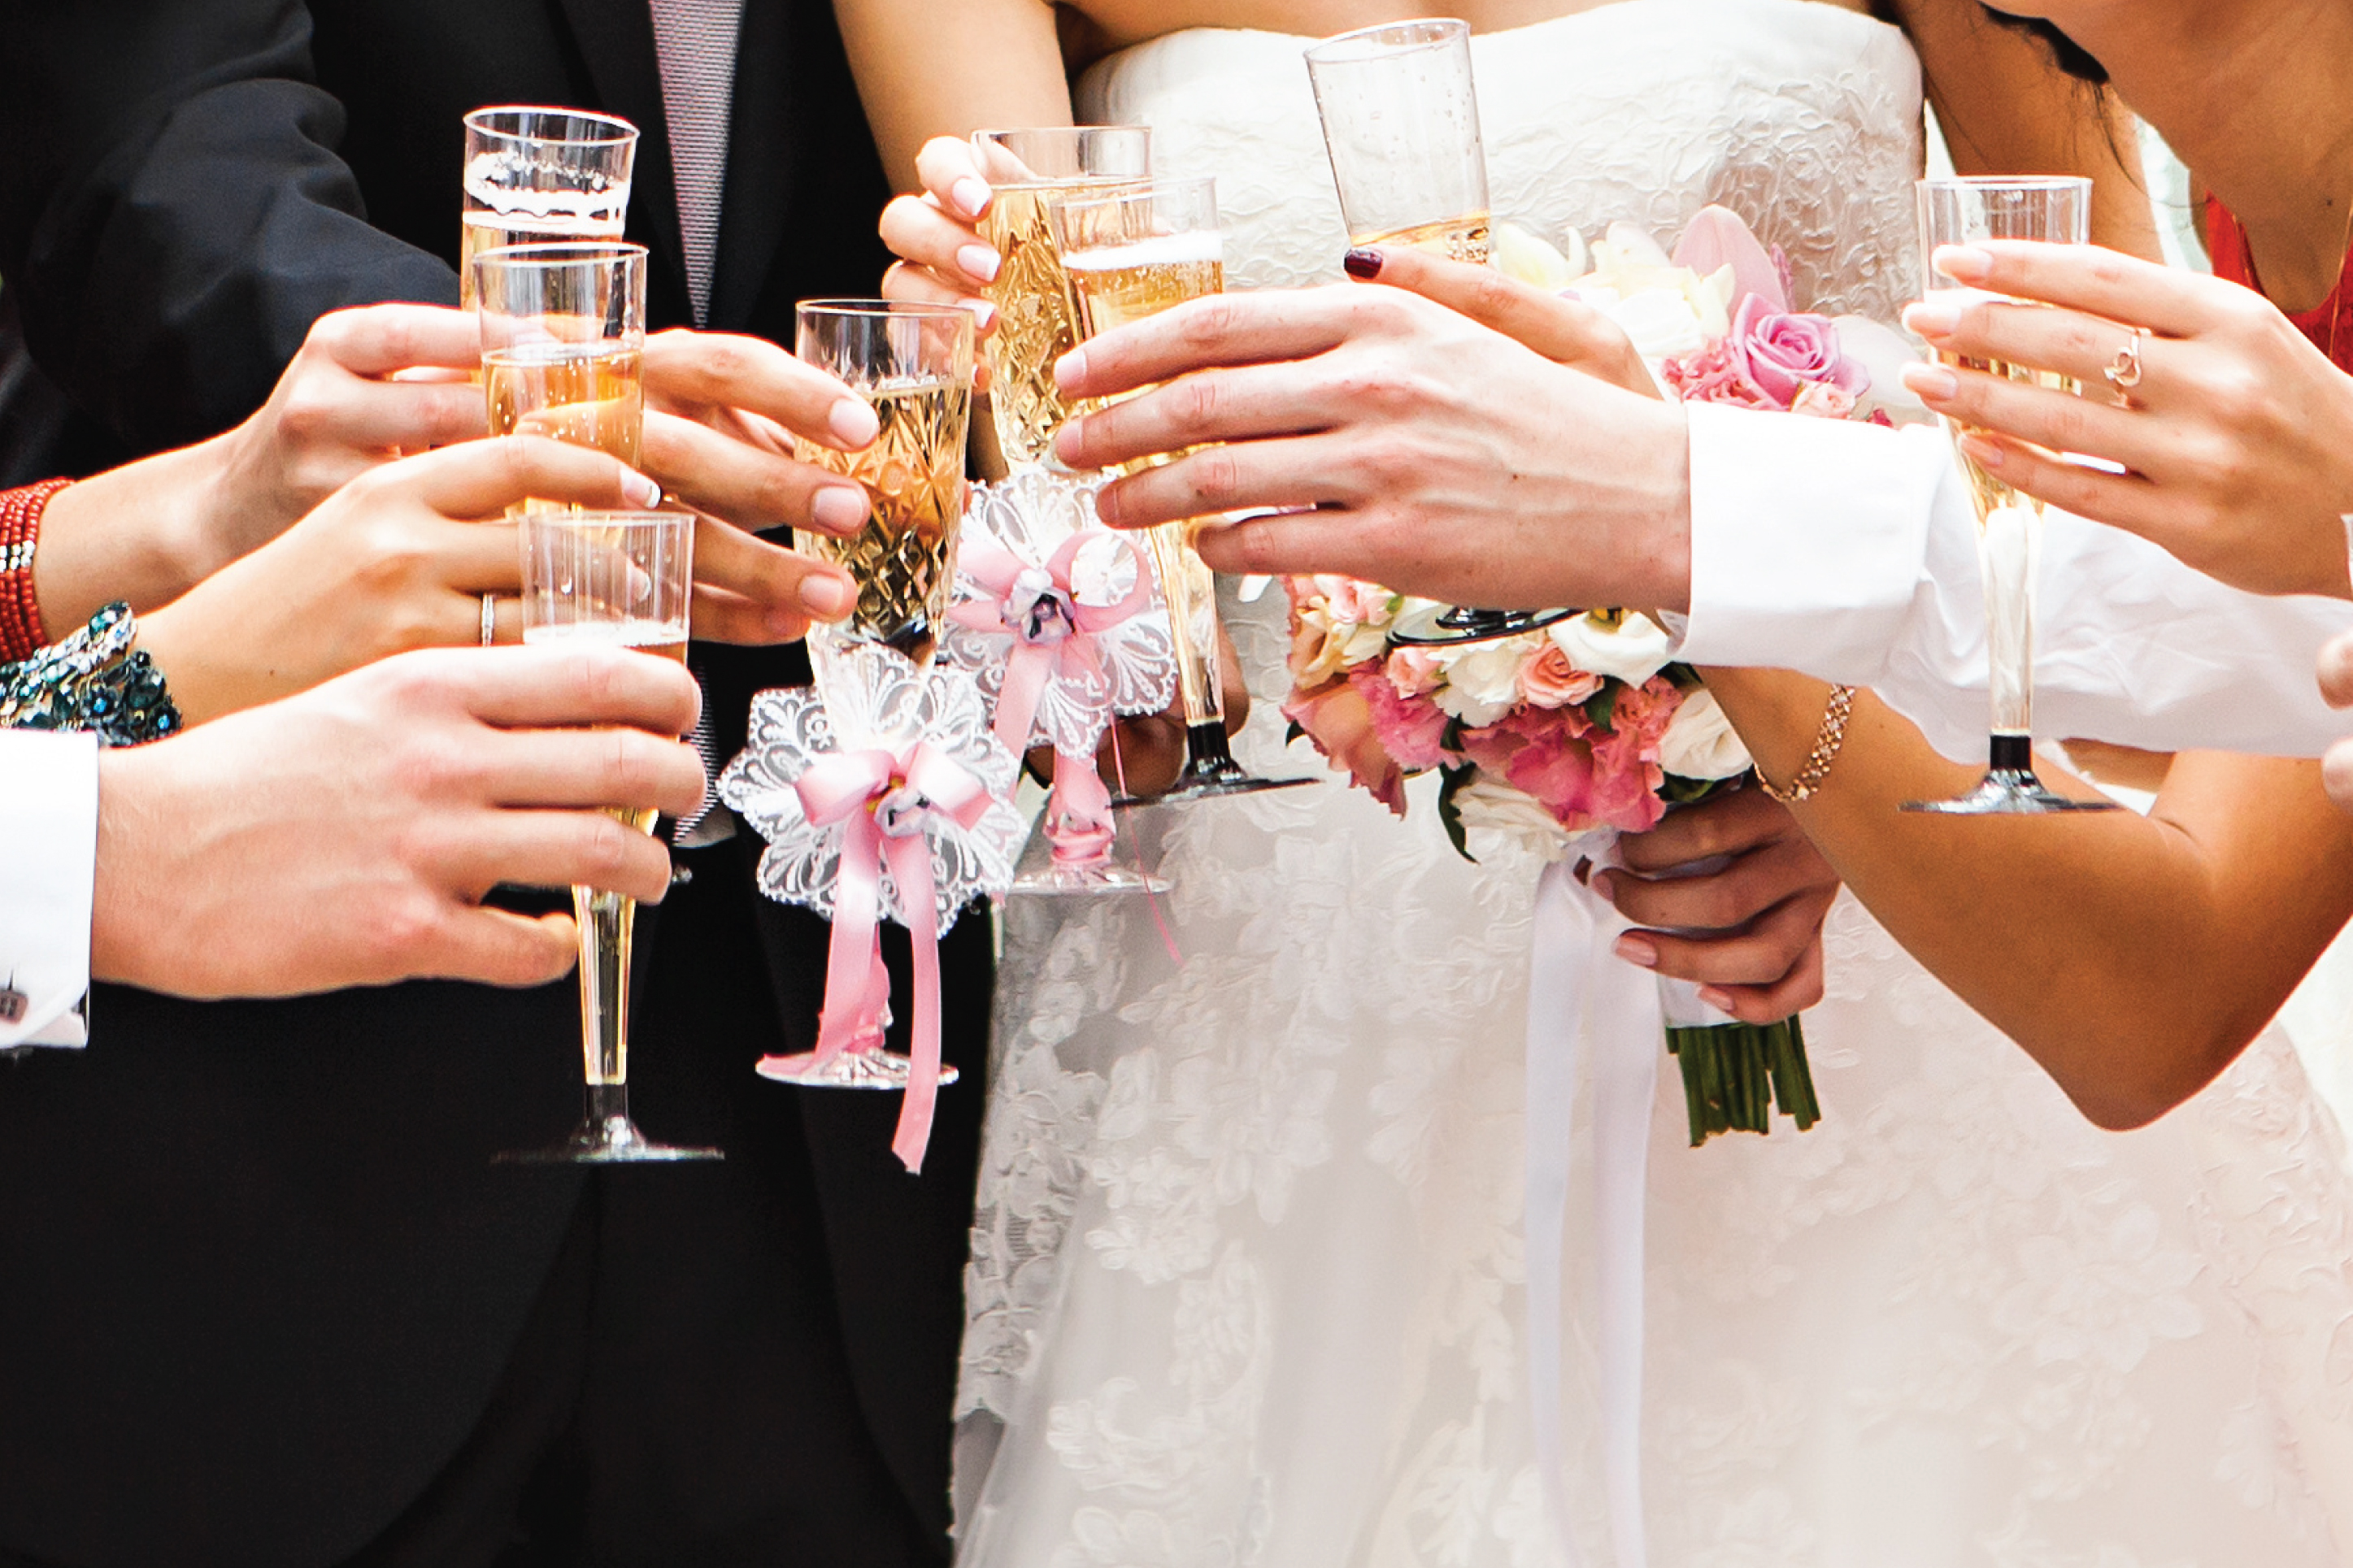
489	619
2123	371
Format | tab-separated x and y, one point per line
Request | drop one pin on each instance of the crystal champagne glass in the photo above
1037	322
1401	124
914	365
533	176
615	579
1959	211
1131	255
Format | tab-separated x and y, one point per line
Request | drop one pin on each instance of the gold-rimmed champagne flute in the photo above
615	579
1400	116
535	175
1131	254
1037	322
2054	210
914	365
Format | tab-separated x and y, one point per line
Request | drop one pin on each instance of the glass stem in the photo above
607	923
1189	589
2006	549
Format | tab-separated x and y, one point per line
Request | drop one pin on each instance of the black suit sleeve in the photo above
173	214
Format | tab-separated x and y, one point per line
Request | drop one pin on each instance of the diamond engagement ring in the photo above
2124	372
489	619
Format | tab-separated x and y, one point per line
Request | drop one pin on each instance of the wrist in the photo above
1656	547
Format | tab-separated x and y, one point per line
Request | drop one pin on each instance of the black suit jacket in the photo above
259	1277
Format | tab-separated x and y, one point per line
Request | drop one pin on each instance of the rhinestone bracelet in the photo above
92	680
1827	742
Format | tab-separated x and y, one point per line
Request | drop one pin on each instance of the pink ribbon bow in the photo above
885	799
1054	638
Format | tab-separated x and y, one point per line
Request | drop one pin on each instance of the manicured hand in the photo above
2237	441
1566	332
936	236
347	837
1751	933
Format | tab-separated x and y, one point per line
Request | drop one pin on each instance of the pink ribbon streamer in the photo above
883	799
1054	638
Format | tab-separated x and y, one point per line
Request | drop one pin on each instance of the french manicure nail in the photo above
978	261
1362	264
641	491
1719	1000
1637	951
1963	263
852	423
970	196
984	316
1932	382
1932	317
838	509
824	596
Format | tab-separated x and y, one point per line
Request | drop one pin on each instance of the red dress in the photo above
2328	324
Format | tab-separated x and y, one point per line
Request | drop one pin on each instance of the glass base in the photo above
1089	881
1461	625
614	1141
2010	789
847	1069
1210	771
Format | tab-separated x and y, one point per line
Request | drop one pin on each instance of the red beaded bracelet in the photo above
20	526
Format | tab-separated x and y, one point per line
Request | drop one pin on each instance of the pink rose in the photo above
1549	680
1414	671
1359	604
1340	722
1821	400
1716	373
1785	351
1413	729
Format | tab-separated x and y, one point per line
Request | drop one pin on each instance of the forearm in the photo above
2132	957
131	533
948	67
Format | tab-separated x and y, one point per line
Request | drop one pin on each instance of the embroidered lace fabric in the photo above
1246	1277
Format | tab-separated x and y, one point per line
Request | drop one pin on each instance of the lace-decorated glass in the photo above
1130	256
616	579
2055	210
533	176
1037	321
1400	118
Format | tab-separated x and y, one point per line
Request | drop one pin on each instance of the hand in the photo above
1566	332
942	260
1751	931
346	837
1440	457
2237	441
2337	689
398	559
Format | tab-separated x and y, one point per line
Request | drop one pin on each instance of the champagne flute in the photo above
914	364
1401	124
1132	254
1037	322
615	579
564	340
539	174
1959	211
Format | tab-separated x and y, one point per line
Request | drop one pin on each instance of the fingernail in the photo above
824	596
852	423
1932	317
984	315
1719	1000
1963	263
970	196
1932	382
1070	370
978	261
838	509
1985	454
641	491
1106	502
1363	264
1635	951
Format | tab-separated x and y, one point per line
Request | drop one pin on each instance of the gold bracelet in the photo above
1827	742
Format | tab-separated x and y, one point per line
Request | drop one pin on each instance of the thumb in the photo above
1566	332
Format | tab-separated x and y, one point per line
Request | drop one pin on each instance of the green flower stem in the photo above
1734	1075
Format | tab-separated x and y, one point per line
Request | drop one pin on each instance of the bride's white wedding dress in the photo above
1246	1281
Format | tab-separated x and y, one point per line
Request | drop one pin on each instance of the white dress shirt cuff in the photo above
48	827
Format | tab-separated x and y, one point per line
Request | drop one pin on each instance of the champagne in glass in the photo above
1959	211
616	579
1401	119
563	338
1035	319
535	175
1129	255
914	365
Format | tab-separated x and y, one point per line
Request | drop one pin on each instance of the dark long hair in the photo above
2072	58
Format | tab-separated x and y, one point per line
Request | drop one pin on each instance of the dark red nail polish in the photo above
1362	264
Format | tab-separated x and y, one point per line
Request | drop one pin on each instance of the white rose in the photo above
1527	257
1700	741
1482	679
1632	651
1661	322
1485	805
1883	352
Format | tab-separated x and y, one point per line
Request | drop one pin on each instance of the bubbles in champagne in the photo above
588	394
903	559
1464	239
1037	322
